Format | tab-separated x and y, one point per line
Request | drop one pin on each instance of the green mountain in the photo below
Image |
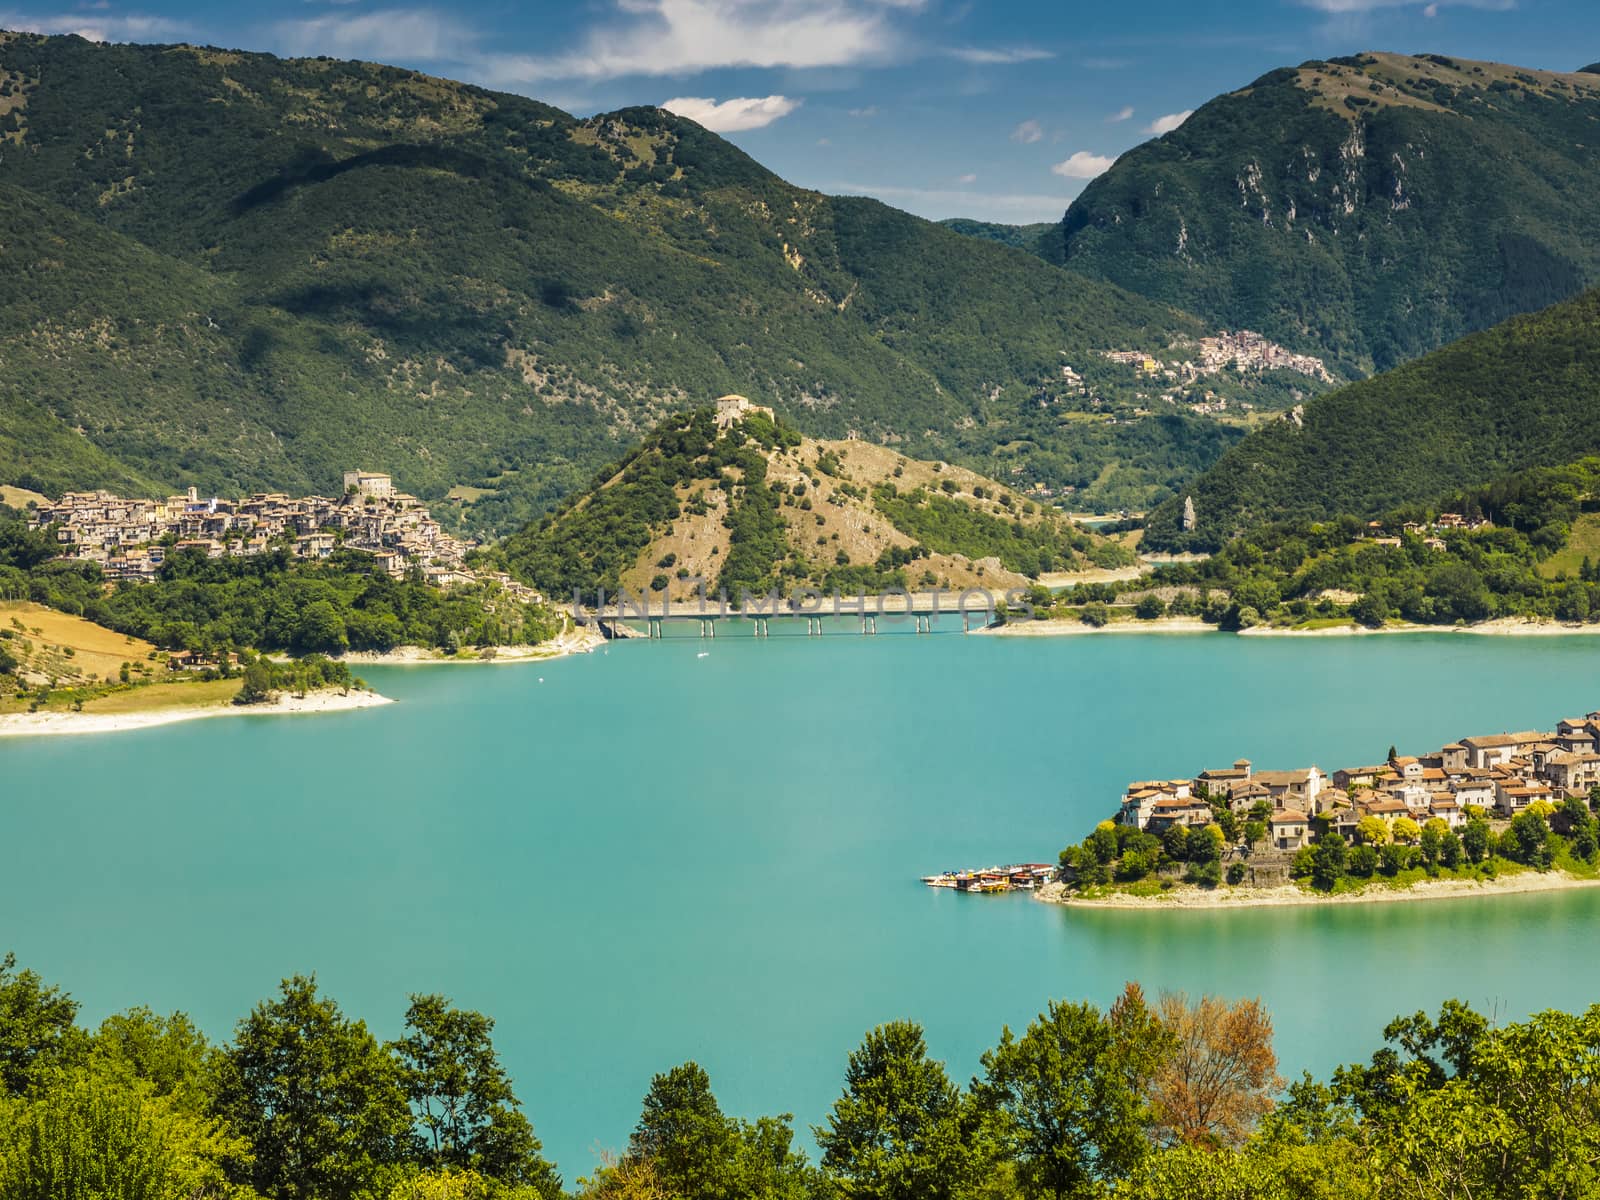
250	272
1523	394
1366	209
1042	238
753	505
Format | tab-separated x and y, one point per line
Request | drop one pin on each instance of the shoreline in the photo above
43	724
1072	627
1500	627
1190	896
578	639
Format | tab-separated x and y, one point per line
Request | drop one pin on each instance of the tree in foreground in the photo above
902	1130
316	1096
470	1118
696	1152
92	1136
1220	1075
1067	1098
37	1031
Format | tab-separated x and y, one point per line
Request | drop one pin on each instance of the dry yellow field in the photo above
158	696
96	650
19	497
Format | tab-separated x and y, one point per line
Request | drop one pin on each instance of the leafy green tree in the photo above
1150	607
1103	841
37	1032
1475	839
321	629
257	685
169	1054
1527	841
316	1095
1431	840
88	1136
1361	861
1581	828
902	1130
1394	857
698	1153
470	1118
1328	862
1450	850
1065	1102
684	1134
1175	843
1203	843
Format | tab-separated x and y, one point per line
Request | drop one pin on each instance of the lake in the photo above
642	856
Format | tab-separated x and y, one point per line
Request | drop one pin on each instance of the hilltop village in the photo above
129	539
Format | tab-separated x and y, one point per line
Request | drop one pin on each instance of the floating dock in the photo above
1024	877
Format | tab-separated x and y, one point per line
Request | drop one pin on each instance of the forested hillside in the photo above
1367	209
1523	394
248	272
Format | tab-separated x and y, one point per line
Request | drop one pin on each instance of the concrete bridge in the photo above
975	607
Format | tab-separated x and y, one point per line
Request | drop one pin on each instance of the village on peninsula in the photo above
1475	807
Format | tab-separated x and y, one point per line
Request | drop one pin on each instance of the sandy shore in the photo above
1504	627
35	724
1188	896
1501	627
574	640
1069	627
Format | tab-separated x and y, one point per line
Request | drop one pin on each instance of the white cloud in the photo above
680	37
1083	165
870	110
414	34
731	116
936	203
969	177
1028	132
989	57
1169	122
95	27
1122	114
1431	11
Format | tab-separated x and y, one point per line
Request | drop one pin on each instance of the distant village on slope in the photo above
129	539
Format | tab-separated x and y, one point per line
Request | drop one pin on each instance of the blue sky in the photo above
945	107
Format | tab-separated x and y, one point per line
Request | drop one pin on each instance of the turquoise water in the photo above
651	856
